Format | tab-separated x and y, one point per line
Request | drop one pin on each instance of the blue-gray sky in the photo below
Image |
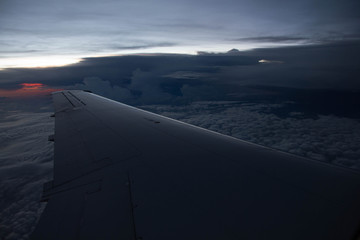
49	32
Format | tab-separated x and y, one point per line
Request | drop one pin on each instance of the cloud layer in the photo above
207	76
25	164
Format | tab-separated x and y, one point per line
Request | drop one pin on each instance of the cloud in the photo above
144	46
25	164
198	93
269	61
273	39
104	88
331	66
139	90
232	52
187	75
83	28
17	51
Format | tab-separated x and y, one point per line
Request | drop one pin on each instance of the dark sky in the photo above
49	32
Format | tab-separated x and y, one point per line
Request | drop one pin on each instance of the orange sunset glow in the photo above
28	90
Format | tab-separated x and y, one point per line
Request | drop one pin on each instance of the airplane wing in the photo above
124	173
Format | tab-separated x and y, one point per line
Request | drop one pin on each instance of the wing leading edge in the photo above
124	173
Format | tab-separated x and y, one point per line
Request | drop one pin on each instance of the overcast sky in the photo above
49	32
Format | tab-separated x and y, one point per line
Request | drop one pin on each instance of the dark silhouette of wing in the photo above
124	173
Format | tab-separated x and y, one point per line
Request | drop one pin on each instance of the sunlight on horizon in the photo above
37	62
64	60
28	90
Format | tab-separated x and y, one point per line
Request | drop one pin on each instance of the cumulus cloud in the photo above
149	87
325	137
25	164
104	88
139	90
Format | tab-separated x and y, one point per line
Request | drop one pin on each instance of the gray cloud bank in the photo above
172	77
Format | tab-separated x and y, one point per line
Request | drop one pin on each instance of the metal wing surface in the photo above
124	173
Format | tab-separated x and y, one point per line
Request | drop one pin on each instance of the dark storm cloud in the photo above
322	66
170	77
135	73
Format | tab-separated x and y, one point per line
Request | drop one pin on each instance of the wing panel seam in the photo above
68	99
